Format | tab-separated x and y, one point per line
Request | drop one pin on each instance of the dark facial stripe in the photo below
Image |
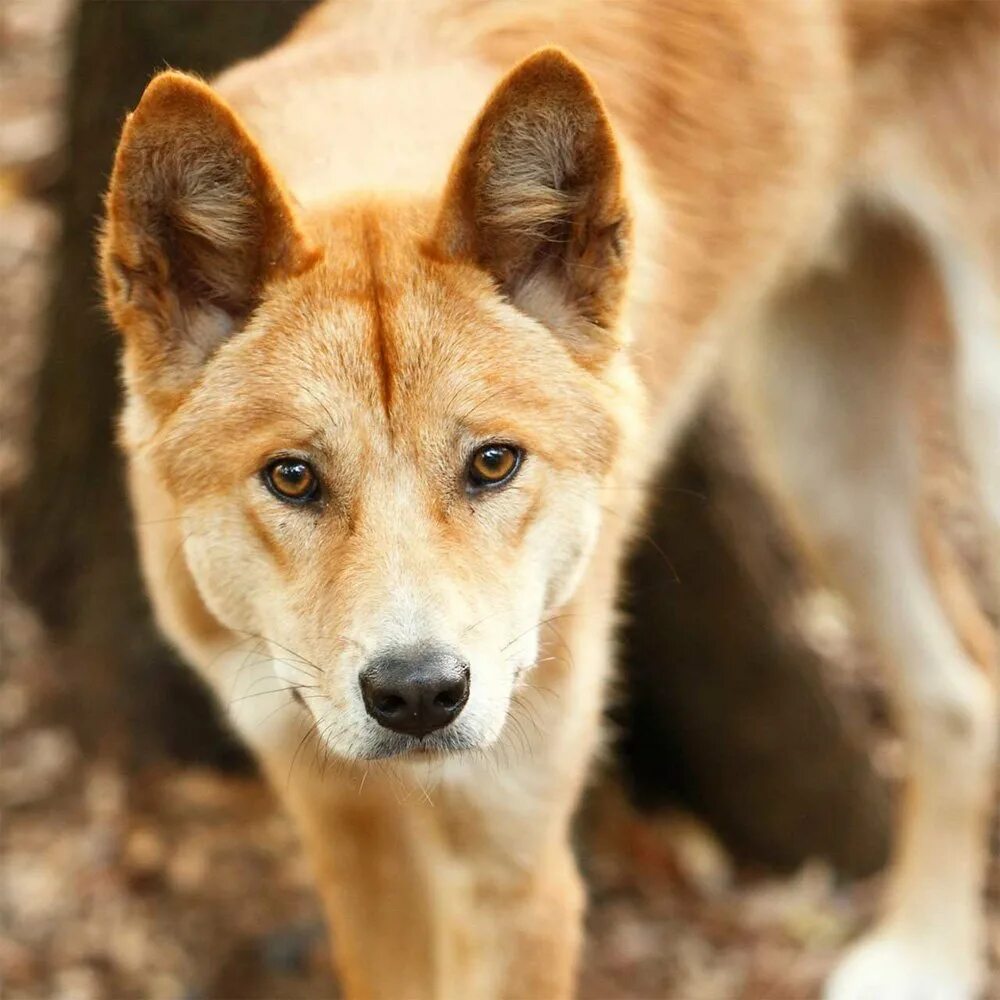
383	349
276	552
527	519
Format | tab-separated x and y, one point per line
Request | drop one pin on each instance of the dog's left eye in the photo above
291	479
493	465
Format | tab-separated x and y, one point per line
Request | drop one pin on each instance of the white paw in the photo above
890	966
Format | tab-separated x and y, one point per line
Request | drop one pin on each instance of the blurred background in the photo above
735	831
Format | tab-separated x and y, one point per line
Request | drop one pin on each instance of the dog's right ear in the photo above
197	226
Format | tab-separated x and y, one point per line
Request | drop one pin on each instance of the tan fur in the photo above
370	249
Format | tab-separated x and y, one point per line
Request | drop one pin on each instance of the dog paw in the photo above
888	966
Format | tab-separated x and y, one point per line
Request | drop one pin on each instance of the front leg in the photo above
441	895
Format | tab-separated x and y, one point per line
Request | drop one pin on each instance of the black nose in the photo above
415	690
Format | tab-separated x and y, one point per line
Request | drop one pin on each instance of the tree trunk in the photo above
726	708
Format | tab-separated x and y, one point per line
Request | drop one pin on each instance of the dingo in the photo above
402	336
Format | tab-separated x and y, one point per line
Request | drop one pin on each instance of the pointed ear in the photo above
535	197
197	225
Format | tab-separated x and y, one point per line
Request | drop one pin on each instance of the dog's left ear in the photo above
535	197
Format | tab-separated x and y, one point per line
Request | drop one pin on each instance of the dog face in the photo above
385	426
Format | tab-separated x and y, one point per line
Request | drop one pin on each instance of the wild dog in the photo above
402	338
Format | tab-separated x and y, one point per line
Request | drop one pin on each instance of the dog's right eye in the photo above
291	480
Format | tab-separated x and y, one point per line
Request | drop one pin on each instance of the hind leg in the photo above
972	285
934	156
824	388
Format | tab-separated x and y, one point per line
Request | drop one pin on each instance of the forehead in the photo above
383	344
382	317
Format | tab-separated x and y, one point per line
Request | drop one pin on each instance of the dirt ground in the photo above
184	883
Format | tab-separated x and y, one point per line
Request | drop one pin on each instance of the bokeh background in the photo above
736	826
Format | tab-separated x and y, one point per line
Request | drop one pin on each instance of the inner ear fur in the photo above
536	198
197	224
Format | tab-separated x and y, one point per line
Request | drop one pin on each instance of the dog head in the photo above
384	425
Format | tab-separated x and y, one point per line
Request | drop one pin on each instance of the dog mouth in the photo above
436	746
386	745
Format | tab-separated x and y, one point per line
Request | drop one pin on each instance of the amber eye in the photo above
492	465
292	479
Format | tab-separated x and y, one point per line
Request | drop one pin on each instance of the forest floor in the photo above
179	882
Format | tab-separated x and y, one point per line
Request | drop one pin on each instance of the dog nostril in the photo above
449	698
390	704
